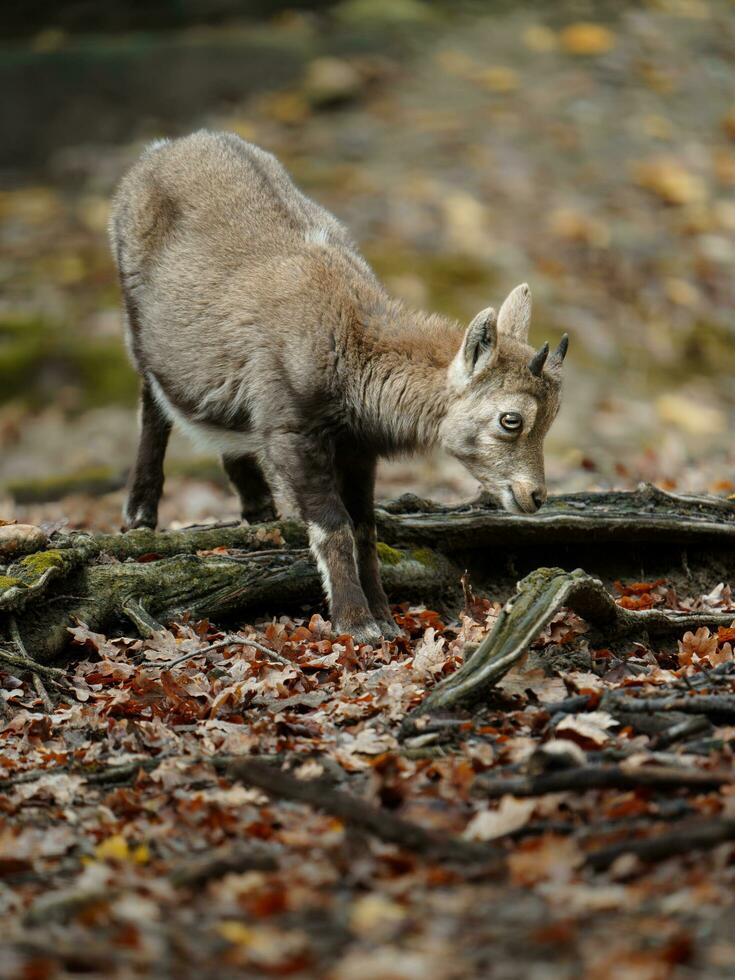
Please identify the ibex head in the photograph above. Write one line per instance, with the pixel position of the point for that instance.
(503, 398)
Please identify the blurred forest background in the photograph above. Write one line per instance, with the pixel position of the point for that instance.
(588, 148)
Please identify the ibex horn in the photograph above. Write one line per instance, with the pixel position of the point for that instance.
(536, 364)
(561, 351)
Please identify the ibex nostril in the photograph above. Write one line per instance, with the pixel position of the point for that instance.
(538, 497)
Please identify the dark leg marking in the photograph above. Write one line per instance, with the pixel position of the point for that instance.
(146, 483)
(246, 476)
(310, 479)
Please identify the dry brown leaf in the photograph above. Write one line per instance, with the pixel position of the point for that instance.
(511, 814)
(548, 857)
(589, 730)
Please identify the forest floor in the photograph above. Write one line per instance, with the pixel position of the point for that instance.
(599, 165)
(567, 826)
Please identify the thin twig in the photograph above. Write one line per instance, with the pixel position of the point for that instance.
(48, 705)
(224, 860)
(700, 704)
(25, 663)
(683, 729)
(230, 641)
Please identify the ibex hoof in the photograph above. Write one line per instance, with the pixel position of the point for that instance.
(389, 629)
(366, 631)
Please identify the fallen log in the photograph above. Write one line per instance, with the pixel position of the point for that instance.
(144, 578)
(647, 514)
(103, 595)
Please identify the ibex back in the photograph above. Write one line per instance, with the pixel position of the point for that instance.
(255, 323)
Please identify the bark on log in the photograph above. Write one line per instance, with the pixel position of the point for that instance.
(645, 515)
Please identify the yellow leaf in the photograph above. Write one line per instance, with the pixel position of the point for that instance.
(690, 415)
(576, 226)
(670, 181)
(235, 932)
(455, 62)
(681, 292)
(728, 123)
(498, 79)
(374, 913)
(539, 38)
(586, 38)
(115, 848)
(243, 127)
(141, 854)
(287, 107)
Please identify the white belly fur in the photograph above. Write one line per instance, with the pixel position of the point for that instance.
(206, 437)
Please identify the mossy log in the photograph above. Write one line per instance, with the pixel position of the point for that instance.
(148, 577)
(49, 591)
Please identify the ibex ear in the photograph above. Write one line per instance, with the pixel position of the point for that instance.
(479, 347)
(514, 318)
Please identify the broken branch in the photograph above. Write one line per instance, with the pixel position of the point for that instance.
(538, 598)
(358, 814)
(584, 778)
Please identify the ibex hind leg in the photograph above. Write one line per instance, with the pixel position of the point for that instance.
(256, 502)
(146, 482)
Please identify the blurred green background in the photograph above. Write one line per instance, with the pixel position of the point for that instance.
(588, 148)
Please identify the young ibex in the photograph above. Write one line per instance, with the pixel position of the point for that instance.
(255, 323)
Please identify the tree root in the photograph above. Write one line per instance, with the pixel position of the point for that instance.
(149, 577)
(103, 595)
(36, 670)
(539, 597)
(646, 515)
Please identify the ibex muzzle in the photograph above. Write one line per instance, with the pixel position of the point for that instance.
(257, 326)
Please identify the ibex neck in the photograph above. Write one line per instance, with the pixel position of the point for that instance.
(404, 359)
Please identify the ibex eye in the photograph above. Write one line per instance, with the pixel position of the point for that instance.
(511, 422)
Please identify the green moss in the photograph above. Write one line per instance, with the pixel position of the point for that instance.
(41, 560)
(31, 568)
(7, 582)
(424, 556)
(384, 13)
(388, 555)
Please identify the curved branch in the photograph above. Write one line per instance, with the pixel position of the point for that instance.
(539, 597)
